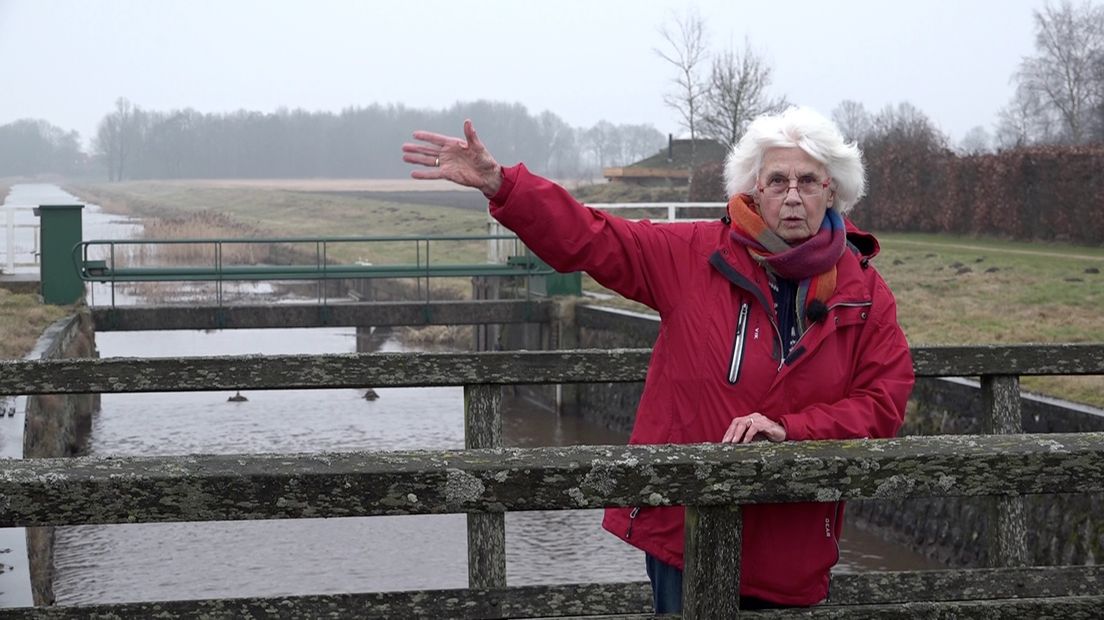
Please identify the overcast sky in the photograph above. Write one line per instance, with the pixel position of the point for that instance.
(584, 60)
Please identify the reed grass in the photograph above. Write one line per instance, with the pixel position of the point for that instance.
(208, 225)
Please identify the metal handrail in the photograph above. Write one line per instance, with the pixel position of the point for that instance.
(10, 250)
(107, 271)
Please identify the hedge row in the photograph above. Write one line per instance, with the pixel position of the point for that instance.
(1051, 193)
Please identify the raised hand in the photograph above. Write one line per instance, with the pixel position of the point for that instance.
(464, 162)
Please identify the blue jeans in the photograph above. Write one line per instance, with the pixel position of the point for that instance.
(666, 585)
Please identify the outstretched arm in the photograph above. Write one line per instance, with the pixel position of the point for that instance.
(464, 162)
(636, 259)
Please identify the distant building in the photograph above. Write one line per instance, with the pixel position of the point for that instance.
(669, 167)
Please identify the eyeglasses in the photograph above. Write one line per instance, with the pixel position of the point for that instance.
(807, 185)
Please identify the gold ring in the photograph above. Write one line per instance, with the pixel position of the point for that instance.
(437, 162)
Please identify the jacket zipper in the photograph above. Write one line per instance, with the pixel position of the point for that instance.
(632, 517)
(738, 344)
(829, 522)
(840, 304)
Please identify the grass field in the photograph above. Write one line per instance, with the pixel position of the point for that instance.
(22, 320)
(950, 290)
(201, 209)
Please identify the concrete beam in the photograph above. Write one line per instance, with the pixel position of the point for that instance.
(273, 372)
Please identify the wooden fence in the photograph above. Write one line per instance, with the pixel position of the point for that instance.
(486, 480)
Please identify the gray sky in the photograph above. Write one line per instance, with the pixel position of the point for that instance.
(585, 60)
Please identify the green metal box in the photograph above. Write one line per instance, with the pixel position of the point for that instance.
(60, 231)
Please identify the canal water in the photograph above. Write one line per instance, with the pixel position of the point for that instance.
(143, 562)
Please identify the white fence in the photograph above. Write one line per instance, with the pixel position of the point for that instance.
(20, 237)
(499, 249)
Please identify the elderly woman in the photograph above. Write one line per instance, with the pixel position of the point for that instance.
(774, 326)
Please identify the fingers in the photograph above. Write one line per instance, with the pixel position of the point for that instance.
(432, 173)
(434, 138)
(430, 160)
(752, 430)
(729, 433)
(746, 429)
(440, 140)
(738, 429)
(419, 148)
(469, 133)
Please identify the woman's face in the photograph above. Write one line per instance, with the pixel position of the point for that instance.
(796, 214)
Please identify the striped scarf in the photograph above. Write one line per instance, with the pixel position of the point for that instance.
(812, 263)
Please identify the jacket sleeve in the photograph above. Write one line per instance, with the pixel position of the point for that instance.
(639, 260)
(881, 382)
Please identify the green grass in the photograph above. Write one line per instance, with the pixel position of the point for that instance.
(1001, 292)
(22, 320)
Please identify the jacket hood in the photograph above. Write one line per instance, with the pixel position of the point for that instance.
(866, 244)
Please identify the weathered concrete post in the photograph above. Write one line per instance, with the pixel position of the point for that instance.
(486, 532)
(486, 336)
(711, 576)
(564, 335)
(1007, 519)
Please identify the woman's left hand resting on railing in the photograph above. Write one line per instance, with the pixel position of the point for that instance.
(748, 428)
(464, 162)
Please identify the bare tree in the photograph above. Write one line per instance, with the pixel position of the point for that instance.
(1025, 120)
(105, 145)
(640, 141)
(853, 120)
(1063, 76)
(604, 142)
(736, 93)
(975, 142)
(116, 138)
(685, 49)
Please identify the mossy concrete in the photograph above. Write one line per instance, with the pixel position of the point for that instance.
(56, 425)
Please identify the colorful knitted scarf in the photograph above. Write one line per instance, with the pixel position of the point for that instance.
(812, 263)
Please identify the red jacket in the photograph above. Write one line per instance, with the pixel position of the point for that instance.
(718, 356)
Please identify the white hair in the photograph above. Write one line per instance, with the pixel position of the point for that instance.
(807, 130)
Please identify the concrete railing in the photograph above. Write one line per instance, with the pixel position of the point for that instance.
(486, 480)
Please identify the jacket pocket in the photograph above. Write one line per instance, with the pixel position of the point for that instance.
(738, 344)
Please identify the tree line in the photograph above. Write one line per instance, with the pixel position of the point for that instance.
(30, 147)
(135, 143)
